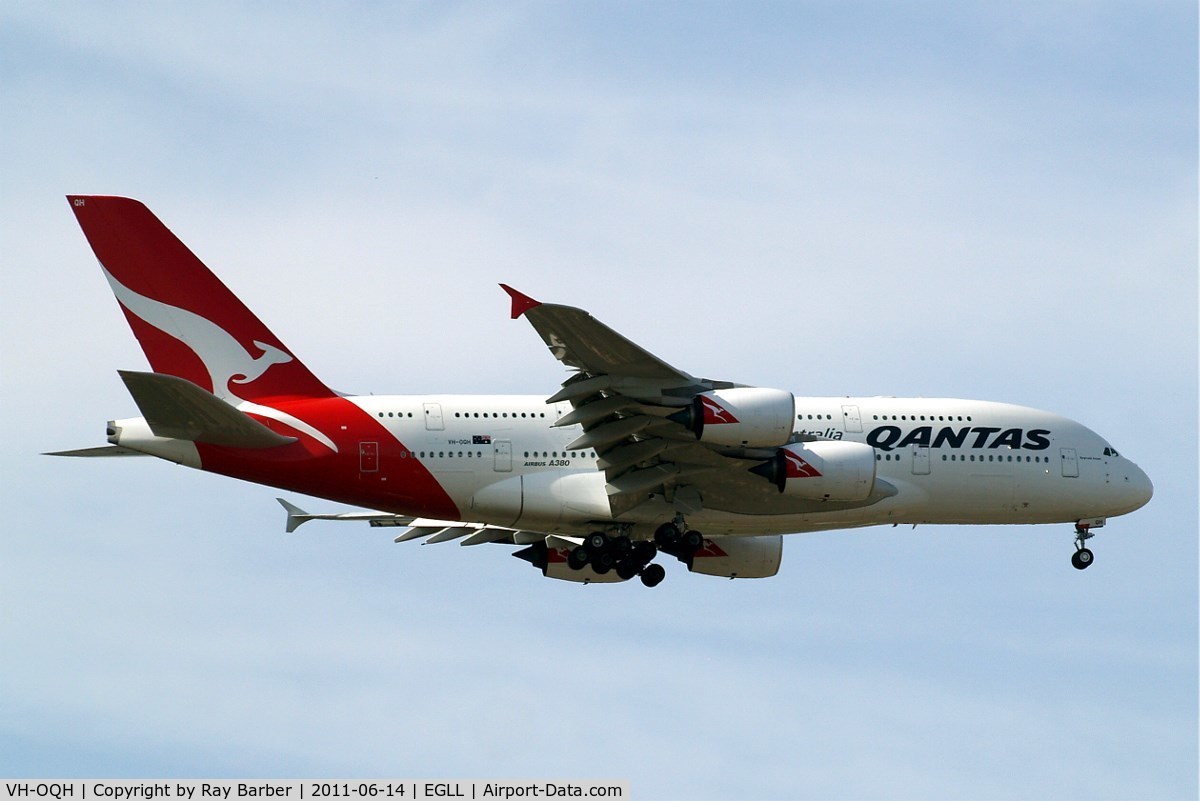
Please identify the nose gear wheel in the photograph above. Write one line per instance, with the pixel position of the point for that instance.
(1083, 556)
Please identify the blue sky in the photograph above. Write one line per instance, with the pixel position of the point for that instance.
(970, 200)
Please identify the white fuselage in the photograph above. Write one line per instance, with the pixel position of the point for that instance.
(950, 461)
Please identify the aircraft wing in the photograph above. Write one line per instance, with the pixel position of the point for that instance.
(582, 342)
(416, 527)
(640, 415)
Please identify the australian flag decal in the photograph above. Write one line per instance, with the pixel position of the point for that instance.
(481, 439)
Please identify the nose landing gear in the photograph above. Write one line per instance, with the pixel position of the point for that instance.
(1083, 556)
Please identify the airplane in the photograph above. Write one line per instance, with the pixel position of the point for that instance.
(631, 458)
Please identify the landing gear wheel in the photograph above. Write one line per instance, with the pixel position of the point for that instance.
(604, 559)
(643, 552)
(666, 535)
(596, 542)
(1083, 532)
(653, 575)
(692, 541)
(577, 559)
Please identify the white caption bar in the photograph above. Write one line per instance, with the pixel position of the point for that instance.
(314, 790)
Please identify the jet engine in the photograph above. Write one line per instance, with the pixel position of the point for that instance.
(738, 557)
(551, 559)
(751, 417)
(824, 470)
(728, 557)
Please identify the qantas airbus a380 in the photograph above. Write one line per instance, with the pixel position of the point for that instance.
(630, 458)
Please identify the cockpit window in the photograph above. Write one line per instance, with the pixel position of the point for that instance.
(1111, 452)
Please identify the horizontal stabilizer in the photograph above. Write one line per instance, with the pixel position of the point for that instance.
(178, 409)
(103, 450)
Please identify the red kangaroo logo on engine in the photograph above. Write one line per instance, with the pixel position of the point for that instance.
(798, 468)
(709, 548)
(715, 414)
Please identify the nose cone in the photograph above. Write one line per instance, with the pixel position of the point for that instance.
(1134, 487)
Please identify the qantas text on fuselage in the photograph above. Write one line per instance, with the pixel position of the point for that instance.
(631, 461)
(887, 438)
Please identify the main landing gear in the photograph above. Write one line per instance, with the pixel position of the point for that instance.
(1082, 557)
(628, 558)
(677, 539)
(605, 552)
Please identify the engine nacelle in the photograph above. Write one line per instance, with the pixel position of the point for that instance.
(822, 470)
(551, 558)
(738, 557)
(751, 417)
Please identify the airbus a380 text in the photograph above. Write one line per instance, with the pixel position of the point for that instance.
(629, 459)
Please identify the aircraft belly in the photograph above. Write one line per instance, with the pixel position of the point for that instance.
(554, 500)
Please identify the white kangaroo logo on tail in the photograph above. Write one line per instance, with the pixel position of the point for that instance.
(223, 356)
